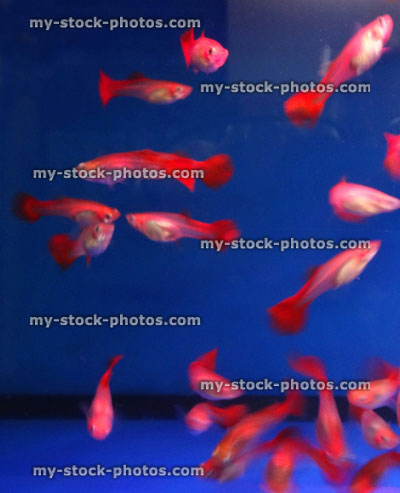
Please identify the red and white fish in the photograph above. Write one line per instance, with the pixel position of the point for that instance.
(117, 168)
(289, 316)
(353, 202)
(92, 241)
(363, 50)
(240, 436)
(330, 432)
(376, 431)
(203, 415)
(367, 478)
(101, 413)
(204, 54)
(207, 383)
(139, 86)
(392, 159)
(166, 227)
(84, 212)
(380, 392)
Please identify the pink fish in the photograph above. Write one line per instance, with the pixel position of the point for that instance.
(376, 432)
(379, 393)
(289, 316)
(330, 432)
(92, 241)
(208, 384)
(363, 50)
(101, 414)
(115, 168)
(166, 227)
(139, 86)
(368, 476)
(392, 159)
(352, 202)
(204, 54)
(85, 212)
(203, 415)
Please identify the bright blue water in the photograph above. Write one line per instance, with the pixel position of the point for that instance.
(52, 118)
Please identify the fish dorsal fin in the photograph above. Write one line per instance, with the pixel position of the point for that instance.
(311, 271)
(343, 180)
(186, 213)
(137, 76)
(390, 138)
(181, 154)
(208, 360)
(202, 34)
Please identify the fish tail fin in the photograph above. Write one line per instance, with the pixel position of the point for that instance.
(228, 416)
(208, 360)
(304, 109)
(335, 472)
(296, 402)
(310, 366)
(187, 42)
(62, 248)
(218, 170)
(105, 379)
(390, 138)
(188, 182)
(224, 230)
(289, 316)
(106, 88)
(24, 207)
(356, 412)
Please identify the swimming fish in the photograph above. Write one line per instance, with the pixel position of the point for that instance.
(368, 476)
(247, 430)
(92, 241)
(166, 227)
(379, 393)
(376, 431)
(330, 432)
(116, 168)
(203, 415)
(84, 212)
(204, 54)
(139, 86)
(392, 159)
(207, 383)
(289, 316)
(363, 50)
(352, 202)
(101, 414)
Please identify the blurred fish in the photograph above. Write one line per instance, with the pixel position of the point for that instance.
(362, 52)
(353, 202)
(92, 241)
(289, 316)
(111, 169)
(330, 432)
(204, 54)
(101, 414)
(203, 415)
(380, 392)
(202, 375)
(367, 478)
(392, 159)
(85, 212)
(166, 227)
(139, 86)
(240, 436)
(376, 432)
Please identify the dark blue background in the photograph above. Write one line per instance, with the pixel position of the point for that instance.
(52, 118)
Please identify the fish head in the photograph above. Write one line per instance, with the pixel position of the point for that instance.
(382, 28)
(198, 418)
(137, 221)
(211, 55)
(110, 215)
(99, 427)
(356, 262)
(180, 91)
(97, 237)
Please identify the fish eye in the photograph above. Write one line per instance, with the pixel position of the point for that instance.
(107, 217)
(98, 229)
(211, 50)
(178, 89)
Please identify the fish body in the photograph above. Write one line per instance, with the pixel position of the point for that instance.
(203, 54)
(141, 87)
(368, 476)
(289, 316)
(392, 158)
(376, 431)
(353, 202)
(117, 168)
